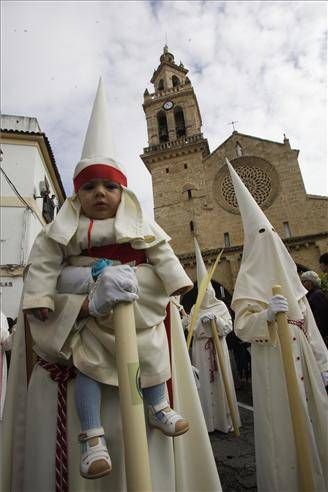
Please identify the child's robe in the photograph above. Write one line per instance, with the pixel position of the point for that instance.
(91, 341)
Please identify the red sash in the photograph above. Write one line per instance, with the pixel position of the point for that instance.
(119, 252)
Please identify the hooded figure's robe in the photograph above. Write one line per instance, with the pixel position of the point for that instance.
(276, 463)
(211, 388)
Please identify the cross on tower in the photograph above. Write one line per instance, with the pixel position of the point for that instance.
(233, 124)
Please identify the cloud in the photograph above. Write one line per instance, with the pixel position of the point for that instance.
(260, 63)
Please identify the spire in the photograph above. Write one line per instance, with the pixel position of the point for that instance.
(167, 56)
(98, 139)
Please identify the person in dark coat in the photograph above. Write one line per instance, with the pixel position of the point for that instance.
(318, 301)
(323, 261)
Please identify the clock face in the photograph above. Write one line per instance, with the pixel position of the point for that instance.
(168, 105)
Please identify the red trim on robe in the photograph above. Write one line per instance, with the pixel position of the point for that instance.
(120, 252)
(2, 355)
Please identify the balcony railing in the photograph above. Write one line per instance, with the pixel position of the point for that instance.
(166, 92)
(174, 143)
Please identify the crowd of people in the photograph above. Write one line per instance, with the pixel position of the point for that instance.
(100, 252)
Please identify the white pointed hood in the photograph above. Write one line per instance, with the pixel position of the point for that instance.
(98, 155)
(266, 261)
(97, 161)
(98, 139)
(209, 298)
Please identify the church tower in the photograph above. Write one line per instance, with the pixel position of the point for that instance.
(193, 192)
(176, 148)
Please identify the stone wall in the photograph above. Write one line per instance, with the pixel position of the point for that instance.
(193, 188)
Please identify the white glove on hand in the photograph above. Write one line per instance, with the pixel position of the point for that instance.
(115, 284)
(324, 376)
(207, 317)
(185, 322)
(75, 280)
(277, 304)
(223, 328)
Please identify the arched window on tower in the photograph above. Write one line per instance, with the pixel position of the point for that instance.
(160, 86)
(175, 81)
(180, 126)
(162, 127)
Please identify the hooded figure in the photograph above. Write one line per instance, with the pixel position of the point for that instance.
(5, 344)
(265, 263)
(211, 388)
(37, 457)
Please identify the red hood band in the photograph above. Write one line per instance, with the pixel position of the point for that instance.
(100, 171)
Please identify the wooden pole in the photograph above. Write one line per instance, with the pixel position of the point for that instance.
(221, 358)
(137, 466)
(305, 473)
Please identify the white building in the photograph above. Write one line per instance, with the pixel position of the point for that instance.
(31, 191)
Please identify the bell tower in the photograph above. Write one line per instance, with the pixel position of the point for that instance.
(176, 149)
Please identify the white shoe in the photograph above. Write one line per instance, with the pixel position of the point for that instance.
(95, 460)
(164, 418)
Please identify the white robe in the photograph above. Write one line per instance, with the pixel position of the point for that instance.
(30, 418)
(276, 464)
(5, 344)
(211, 388)
(92, 343)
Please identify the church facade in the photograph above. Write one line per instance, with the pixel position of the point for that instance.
(193, 192)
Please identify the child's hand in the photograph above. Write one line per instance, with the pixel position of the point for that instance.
(115, 284)
(40, 313)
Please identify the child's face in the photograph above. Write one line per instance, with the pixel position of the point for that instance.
(100, 198)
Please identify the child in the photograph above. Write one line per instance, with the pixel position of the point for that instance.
(104, 220)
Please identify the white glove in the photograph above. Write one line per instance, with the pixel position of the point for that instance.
(324, 376)
(277, 304)
(115, 284)
(223, 327)
(75, 280)
(207, 317)
(185, 322)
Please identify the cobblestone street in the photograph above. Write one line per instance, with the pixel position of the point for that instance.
(235, 456)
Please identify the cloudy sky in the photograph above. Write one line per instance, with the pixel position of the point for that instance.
(262, 64)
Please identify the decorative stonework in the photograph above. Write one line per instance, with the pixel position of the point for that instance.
(259, 176)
